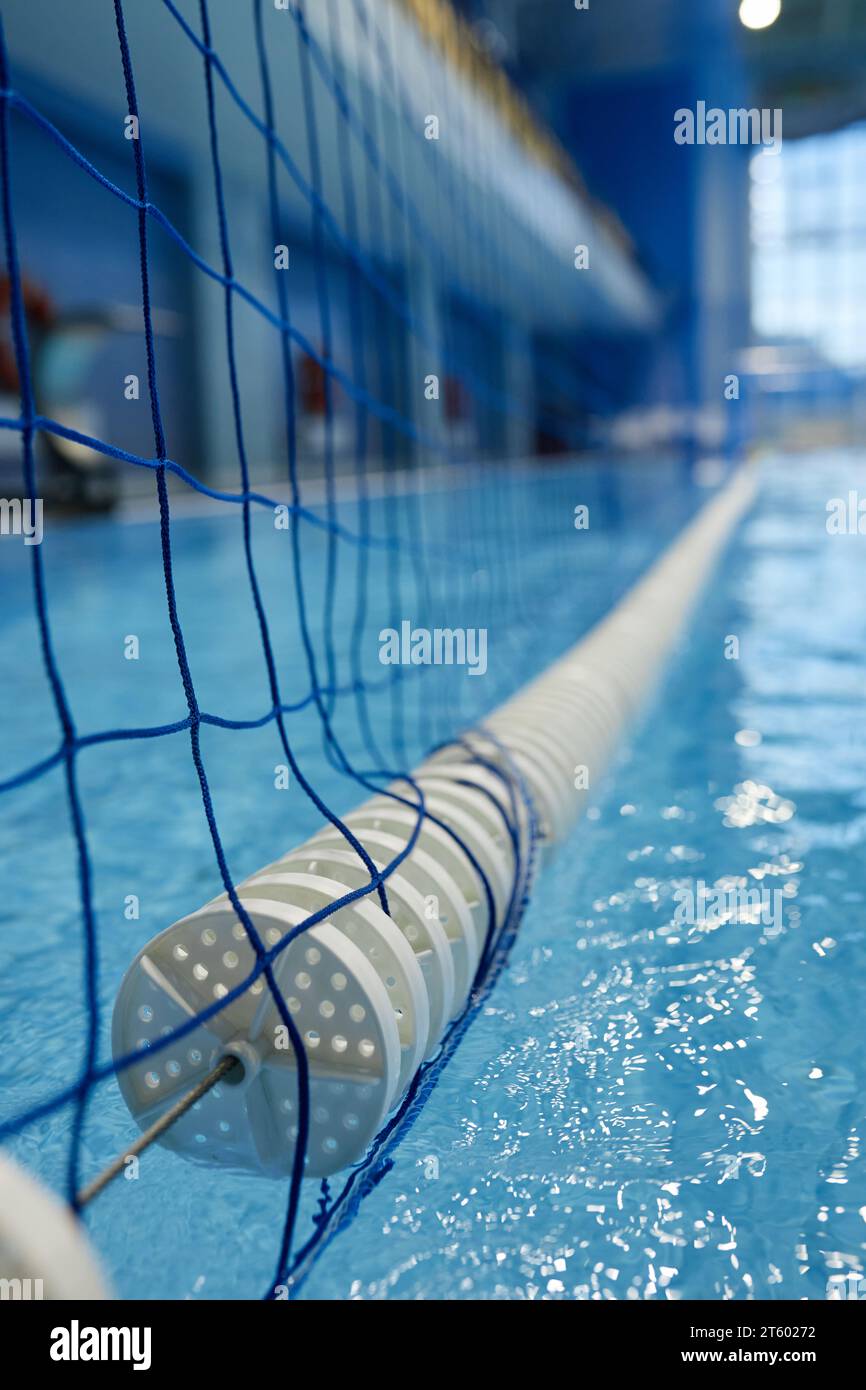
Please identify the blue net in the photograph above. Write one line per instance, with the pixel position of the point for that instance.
(390, 552)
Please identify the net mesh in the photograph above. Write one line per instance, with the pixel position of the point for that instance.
(364, 373)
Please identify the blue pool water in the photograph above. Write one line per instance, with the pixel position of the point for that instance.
(645, 1108)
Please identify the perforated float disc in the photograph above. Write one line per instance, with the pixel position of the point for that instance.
(494, 788)
(546, 771)
(338, 1004)
(560, 730)
(425, 936)
(393, 819)
(485, 811)
(434, 883)
(376, 937)
(457, 812)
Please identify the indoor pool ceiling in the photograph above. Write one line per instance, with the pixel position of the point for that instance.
(812, 61)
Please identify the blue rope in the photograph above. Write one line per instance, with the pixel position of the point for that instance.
(366, 1176)
(405, 223)
(383, 411)
(324, 306)
(359, 372)
(61, 704)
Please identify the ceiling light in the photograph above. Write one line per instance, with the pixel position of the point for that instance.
(759, 14)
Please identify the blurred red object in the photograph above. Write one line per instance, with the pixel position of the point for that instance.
(40, 314)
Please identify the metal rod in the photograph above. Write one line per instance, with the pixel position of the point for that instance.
(180, 1107)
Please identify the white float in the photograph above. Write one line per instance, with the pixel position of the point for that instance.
(44, 1249)
(372, 994)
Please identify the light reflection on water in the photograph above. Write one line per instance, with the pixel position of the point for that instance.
(654, 1109)
(650, 1106)
(180, 1230)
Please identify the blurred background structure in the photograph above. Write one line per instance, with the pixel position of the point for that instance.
(700, 261)
(760, 261)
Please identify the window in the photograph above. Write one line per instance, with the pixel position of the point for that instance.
(808, 221)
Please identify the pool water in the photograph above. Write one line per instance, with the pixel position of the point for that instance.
(660, 1111)
(646, 1107)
